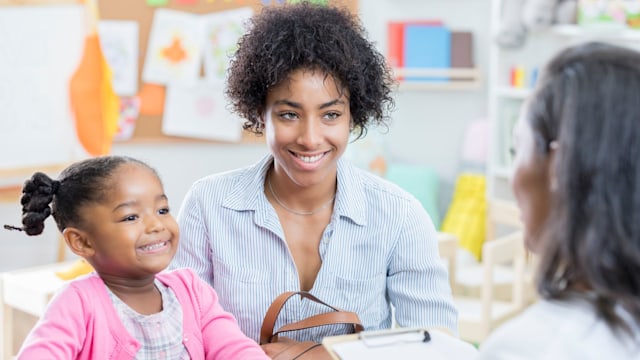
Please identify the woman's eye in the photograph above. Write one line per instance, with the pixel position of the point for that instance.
(163, 211)
(288, 115)
(332, 115)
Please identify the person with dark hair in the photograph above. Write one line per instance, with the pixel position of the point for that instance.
(113, 212)
(307, 78)
(577, 183)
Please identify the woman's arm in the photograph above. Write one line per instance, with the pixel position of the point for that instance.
(194, 251)
(417, 281)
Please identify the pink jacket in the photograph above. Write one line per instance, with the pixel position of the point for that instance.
(81, 323)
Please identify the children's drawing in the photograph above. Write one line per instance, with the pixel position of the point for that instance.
(222, 31)
(129, 111)
(119, 42)
(199, 111)
(175, 48)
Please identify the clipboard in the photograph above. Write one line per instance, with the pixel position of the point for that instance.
(400, 343)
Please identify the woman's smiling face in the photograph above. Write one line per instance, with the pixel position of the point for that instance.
(307, 126)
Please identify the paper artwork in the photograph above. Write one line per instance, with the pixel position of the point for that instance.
(222, 31)
(199, 111)
(119, 43)
(129, 112)
(174, 51)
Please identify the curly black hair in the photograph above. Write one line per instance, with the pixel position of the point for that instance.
(84, 182)
(282, 39)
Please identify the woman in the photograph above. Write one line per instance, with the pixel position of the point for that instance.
(577, 183)
(302, 218)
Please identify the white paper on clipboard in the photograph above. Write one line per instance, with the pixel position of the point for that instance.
(406, 344)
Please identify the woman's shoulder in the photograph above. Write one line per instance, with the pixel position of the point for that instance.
(231, 180)
(554, 330)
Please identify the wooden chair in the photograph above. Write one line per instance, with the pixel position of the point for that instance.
(479, 315)
(448, 249)
(503, 217)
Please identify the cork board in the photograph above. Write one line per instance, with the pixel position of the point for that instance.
(149, 127)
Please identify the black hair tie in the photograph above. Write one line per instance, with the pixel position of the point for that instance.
(10, 227)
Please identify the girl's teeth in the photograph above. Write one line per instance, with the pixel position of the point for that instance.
(154, 246)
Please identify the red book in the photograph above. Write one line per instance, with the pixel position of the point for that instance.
(395, 43)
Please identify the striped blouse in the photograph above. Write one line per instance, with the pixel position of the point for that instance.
(378, 251)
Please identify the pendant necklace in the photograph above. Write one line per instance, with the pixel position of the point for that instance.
(296, 212)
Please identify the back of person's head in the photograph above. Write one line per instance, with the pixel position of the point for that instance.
(82, 183)
(587, 104)
(282, 39)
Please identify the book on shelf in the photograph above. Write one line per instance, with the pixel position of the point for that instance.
(461, 49)
(418, 44)
(427, 47)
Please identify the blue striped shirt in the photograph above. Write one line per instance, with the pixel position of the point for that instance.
(380, 248)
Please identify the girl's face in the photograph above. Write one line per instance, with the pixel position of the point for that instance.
(530, 182)
(307, 126)
(132, 233)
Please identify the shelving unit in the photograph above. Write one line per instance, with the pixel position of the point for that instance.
(456, 79)
(505, 101)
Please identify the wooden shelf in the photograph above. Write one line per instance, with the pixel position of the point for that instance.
(457, 79)
(512, 92)
(503, 172)
(611, 33)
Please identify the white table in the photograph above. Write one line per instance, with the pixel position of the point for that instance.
(28, 290)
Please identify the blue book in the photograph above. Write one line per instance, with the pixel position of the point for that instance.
(427, 46)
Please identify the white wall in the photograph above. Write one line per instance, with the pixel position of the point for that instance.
(427, 127)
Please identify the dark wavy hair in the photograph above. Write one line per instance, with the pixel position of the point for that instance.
(82, 183)
(281, 39)
(587, 101)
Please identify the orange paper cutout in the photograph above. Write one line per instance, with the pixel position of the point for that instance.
(151, 99)
(93, 100)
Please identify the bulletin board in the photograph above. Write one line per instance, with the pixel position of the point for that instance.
(149, 127)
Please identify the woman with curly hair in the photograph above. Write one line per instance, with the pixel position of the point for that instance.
(302, 218)
(577, 182)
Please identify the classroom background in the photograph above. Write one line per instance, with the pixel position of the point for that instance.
(463, 68)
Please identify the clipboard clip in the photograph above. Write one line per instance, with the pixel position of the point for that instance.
(395, 337)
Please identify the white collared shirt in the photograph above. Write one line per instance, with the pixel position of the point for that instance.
(380, 247)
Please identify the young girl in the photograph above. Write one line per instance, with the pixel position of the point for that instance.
(113, 212)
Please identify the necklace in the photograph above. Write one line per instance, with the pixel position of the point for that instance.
(296, 212)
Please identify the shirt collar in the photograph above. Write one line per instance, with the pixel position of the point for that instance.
(350, 196)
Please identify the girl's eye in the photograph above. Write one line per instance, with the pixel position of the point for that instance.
(130, 218)
(163, 211)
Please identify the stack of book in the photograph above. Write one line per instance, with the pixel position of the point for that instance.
(428, 45)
